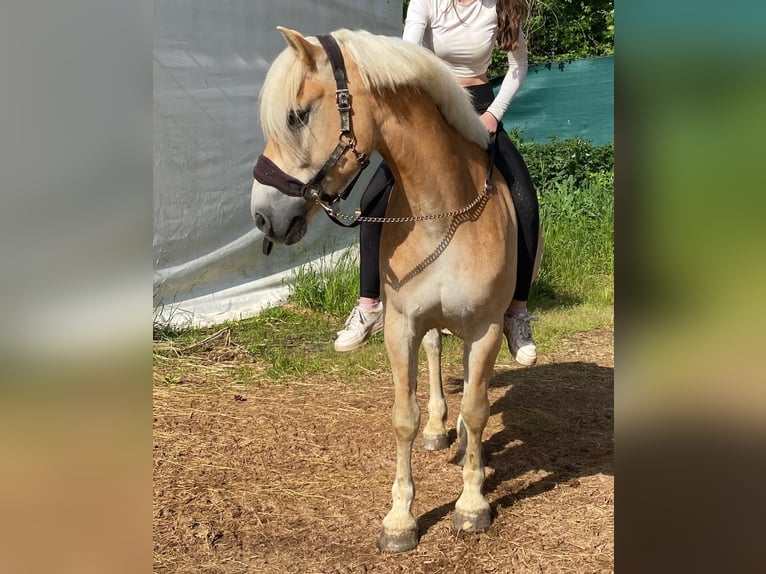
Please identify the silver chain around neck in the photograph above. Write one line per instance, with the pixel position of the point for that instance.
(337, 212)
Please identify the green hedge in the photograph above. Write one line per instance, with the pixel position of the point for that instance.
(559, 160)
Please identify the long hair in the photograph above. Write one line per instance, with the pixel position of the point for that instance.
(510, 15)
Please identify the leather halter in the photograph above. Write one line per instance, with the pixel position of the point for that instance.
(268, 173)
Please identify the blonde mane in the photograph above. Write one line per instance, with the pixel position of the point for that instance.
(383, 62)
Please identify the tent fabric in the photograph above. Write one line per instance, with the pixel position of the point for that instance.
(210, 59)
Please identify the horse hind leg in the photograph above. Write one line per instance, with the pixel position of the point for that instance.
(435, 432)
(472, 511)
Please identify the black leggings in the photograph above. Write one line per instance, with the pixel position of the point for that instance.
(510, 163)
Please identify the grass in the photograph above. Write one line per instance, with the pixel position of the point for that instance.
(578, 227)
(331, 286)
(280, 344)
(573, 293)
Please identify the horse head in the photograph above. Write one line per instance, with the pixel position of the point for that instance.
(305, 104)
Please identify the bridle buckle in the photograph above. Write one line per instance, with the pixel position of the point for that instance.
(343, 100)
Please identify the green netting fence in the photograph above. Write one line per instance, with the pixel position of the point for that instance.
(565, 100)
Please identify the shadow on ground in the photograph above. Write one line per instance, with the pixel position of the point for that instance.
(557, 421)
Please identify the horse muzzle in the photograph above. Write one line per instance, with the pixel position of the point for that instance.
(282, 219)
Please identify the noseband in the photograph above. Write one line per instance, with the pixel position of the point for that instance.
(266, 171)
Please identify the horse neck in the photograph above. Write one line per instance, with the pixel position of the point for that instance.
(436, 168)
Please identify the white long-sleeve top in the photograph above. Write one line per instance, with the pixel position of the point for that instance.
(464, 37)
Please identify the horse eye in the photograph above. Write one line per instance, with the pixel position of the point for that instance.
(297, 118)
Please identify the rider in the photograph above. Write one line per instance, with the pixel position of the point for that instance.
(463, 33)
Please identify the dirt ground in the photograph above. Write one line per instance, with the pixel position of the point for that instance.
(296, 477)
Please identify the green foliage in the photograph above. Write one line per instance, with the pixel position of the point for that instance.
(578, 235)
(165, 330)
(554, 162)
(570, 29)
(563, 30)
(575, 184)
(291, 342)
(328, 286)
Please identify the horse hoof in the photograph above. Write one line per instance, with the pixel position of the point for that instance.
(470, 521)
(398, 541)
(435, 442)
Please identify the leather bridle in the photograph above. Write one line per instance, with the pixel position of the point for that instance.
(268, 173)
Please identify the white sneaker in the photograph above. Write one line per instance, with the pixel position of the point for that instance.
(360, 326)
(520, 341)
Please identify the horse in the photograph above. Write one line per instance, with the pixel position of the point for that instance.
(448, 248)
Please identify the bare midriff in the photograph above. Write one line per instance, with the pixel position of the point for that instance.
(475, 81)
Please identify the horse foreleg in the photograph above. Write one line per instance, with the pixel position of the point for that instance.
(435, 431)
(400, 531)
(472, 510)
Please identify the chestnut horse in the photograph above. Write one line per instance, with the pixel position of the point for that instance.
(448, 256)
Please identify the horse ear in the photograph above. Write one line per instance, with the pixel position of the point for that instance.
(306, 50)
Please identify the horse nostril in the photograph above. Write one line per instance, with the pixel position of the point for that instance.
(261, 223)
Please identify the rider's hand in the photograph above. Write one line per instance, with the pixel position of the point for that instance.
(489, 121)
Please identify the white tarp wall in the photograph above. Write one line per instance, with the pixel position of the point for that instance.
(210, 59)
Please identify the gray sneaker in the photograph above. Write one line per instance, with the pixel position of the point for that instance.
(360, 326)
(520, 341)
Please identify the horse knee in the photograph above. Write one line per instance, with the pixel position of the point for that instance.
(406, 420)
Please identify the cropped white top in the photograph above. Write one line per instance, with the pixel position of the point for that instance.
(464, 36)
